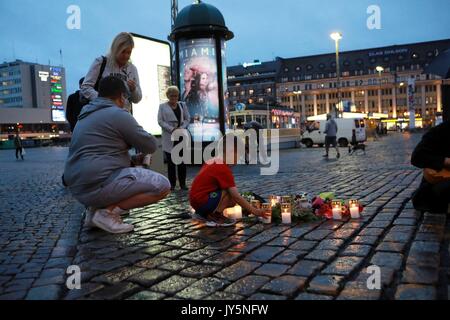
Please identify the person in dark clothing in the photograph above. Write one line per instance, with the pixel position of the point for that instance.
(74, 107)
(433, 152)
(19, 146)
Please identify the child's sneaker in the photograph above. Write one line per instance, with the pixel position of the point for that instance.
(217, 220)
(110, 222)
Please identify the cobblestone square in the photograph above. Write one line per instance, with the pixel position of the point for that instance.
(171, 257)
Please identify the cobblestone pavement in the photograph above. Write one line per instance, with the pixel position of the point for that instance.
(168, 257)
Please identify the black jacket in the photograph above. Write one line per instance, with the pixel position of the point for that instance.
(431, 153)
(73, 109)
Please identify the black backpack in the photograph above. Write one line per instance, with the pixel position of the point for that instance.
(77, 102)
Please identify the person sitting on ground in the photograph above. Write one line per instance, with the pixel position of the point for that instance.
(97, 169)
(433, 152)
(214, 189)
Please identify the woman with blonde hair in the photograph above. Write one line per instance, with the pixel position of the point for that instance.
(117, 64)
(173, 115)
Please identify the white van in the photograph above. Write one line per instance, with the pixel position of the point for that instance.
(314, 133)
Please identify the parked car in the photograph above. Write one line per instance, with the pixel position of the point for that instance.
(315, 135)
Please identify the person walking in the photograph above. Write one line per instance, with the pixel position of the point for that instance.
(331, 129)
(19, 146)
(173, 115)
(116, 63)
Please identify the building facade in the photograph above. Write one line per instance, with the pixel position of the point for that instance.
(309, 84)
(31, 96)
(253, 83)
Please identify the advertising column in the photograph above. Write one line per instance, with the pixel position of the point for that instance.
(200, 86)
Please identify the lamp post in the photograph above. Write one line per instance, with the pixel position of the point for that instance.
(379, 69)
(336, 36)
(298, 95)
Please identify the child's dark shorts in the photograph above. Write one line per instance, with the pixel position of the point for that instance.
(211, 205)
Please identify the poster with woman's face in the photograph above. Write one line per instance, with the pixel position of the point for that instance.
(199, 87)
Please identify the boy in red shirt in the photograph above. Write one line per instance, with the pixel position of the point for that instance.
(214, 190)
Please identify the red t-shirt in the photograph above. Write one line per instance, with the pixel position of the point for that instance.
(213, 176)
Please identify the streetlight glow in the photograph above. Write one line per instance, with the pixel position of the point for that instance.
(336, 36)
(380, 69)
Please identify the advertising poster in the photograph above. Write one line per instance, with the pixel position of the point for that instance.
(199, 87)
(153, 60)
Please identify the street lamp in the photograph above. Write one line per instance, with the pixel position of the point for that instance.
(379, 69)
(298, 94)
(336, 36)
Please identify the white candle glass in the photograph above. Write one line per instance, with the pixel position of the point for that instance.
(237, 212)
(337, 213)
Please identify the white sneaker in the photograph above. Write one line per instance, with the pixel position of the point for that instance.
(120, 212)
(109, 222)
(89, 214)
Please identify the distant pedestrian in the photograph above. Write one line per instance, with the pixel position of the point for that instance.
(74, 107)
(331, 129)
(116, 63)
(19, 146)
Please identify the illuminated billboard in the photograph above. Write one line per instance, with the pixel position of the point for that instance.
(152, 59)
(58, 116)
(200, 86)
(56, 90)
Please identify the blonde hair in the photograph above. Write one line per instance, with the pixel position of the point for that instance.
(122, 41)
(172, 89)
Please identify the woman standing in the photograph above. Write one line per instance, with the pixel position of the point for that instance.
(173, 115)
(117, 64)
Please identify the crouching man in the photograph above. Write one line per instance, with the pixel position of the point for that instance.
(98, 171)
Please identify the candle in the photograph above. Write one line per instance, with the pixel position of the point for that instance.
(286, 213)
(237, 212)
(354, 209)
(229, 213)
(267, 207)
(336, 207)
(273, 200)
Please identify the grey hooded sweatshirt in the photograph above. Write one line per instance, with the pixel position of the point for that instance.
(100, 143)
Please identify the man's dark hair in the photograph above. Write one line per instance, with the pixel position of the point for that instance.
(81, 81)
(111, 87)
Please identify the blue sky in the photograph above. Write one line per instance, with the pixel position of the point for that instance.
(36, 30)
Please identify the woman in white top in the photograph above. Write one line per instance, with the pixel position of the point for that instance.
(118, 65)
(173, 115)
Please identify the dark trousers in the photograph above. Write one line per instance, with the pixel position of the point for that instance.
(173, 168)
(432, 198)
(19, 151)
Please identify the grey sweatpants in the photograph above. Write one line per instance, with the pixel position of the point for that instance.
(129, 182)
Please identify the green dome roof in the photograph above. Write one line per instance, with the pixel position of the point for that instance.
(200, 18)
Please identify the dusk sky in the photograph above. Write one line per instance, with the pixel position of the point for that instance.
(36, 30)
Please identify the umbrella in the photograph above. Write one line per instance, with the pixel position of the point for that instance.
(440, 66)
